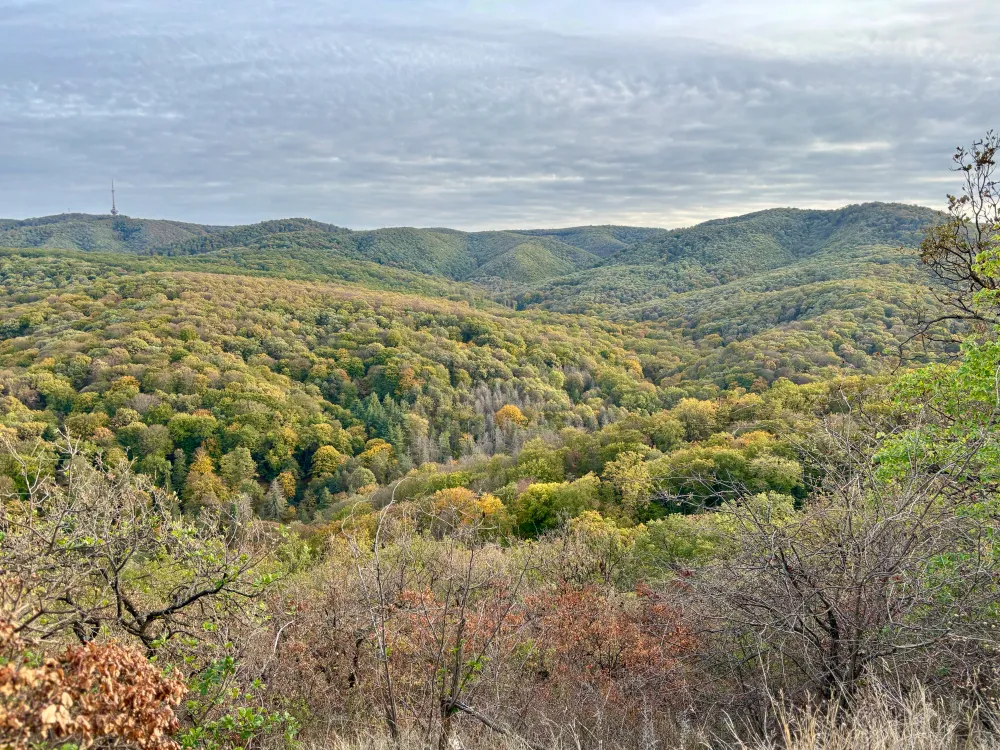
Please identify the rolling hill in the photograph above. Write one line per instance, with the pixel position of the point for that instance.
(778, 293)
(494, 257)
(99, 233)
(715, 252)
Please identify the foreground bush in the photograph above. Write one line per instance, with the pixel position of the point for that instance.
(102, 694)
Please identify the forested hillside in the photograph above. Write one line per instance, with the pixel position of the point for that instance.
(510, 256)
(364, 345)
(95, 233)
(711, 253)
(291, 485)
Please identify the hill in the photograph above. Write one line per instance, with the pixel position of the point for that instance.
(778, 293)
(99, 233)
(767, 239)
(621, 265)
(510, 257)
(660, 263)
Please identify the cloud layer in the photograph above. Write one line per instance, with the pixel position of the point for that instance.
(486, 114)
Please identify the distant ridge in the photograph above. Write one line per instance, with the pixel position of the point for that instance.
(776, 293)
(721, 249)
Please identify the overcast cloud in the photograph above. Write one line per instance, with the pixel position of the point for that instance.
(487, 113)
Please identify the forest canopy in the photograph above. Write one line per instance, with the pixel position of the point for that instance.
(288, 484)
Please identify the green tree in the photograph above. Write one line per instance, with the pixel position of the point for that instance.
(274, 504)
(698, 418)
(630, 475)
(237, 467)
(361, 478)
(546, 506)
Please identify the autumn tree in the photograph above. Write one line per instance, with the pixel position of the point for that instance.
(698, 418)
(510, 415)
(630, 475)
(202, 487)
(326, 460)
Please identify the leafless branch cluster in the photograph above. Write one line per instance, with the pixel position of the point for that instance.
(90, 549)
(953, 250)
(887, 571)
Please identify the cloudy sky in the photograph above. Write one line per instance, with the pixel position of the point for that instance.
(487, 113)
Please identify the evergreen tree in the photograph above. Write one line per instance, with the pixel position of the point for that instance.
(179, 472)
(275, 504)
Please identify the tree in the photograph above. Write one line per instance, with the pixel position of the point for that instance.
(510, 415)
(891, 573)
(630, 475)
(360, 479)
(178, 472)
(610, 651)
(545, 506)
(380, 457)
(963, 250)
(274, 504)
(202, 487)
(326, 460)
(541, 462)
(443, 617)
(698, 418)
(93, 550)
(237, 467)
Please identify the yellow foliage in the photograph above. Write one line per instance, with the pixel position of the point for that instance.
(458, 506)
(125, 383)
(490, 505)
(510, 414)
(457, 501)
(326, 461)
(202, 462)
(287, 481)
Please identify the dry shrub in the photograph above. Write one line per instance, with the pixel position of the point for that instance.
(94, 693)
(610, 666)
(595, 634)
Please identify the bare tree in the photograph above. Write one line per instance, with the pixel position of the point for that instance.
(445, 614)
(88, 548)
(955, 249)
(374, 581)
(887, 569)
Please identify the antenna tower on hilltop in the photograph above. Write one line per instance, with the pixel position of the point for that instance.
(114, 208)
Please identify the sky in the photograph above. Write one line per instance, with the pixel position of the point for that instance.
(479, 114)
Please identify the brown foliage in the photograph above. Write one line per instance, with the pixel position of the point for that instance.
(611, 640)
(94, 692)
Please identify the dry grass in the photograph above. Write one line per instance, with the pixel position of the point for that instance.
(883, 722)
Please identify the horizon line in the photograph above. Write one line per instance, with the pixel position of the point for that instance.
(469, 231)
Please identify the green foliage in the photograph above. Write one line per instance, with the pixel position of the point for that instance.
(547, 505)
(278, 361)
(227, 717)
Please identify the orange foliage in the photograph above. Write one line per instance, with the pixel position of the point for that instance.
(614, 640)
(429, 627)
